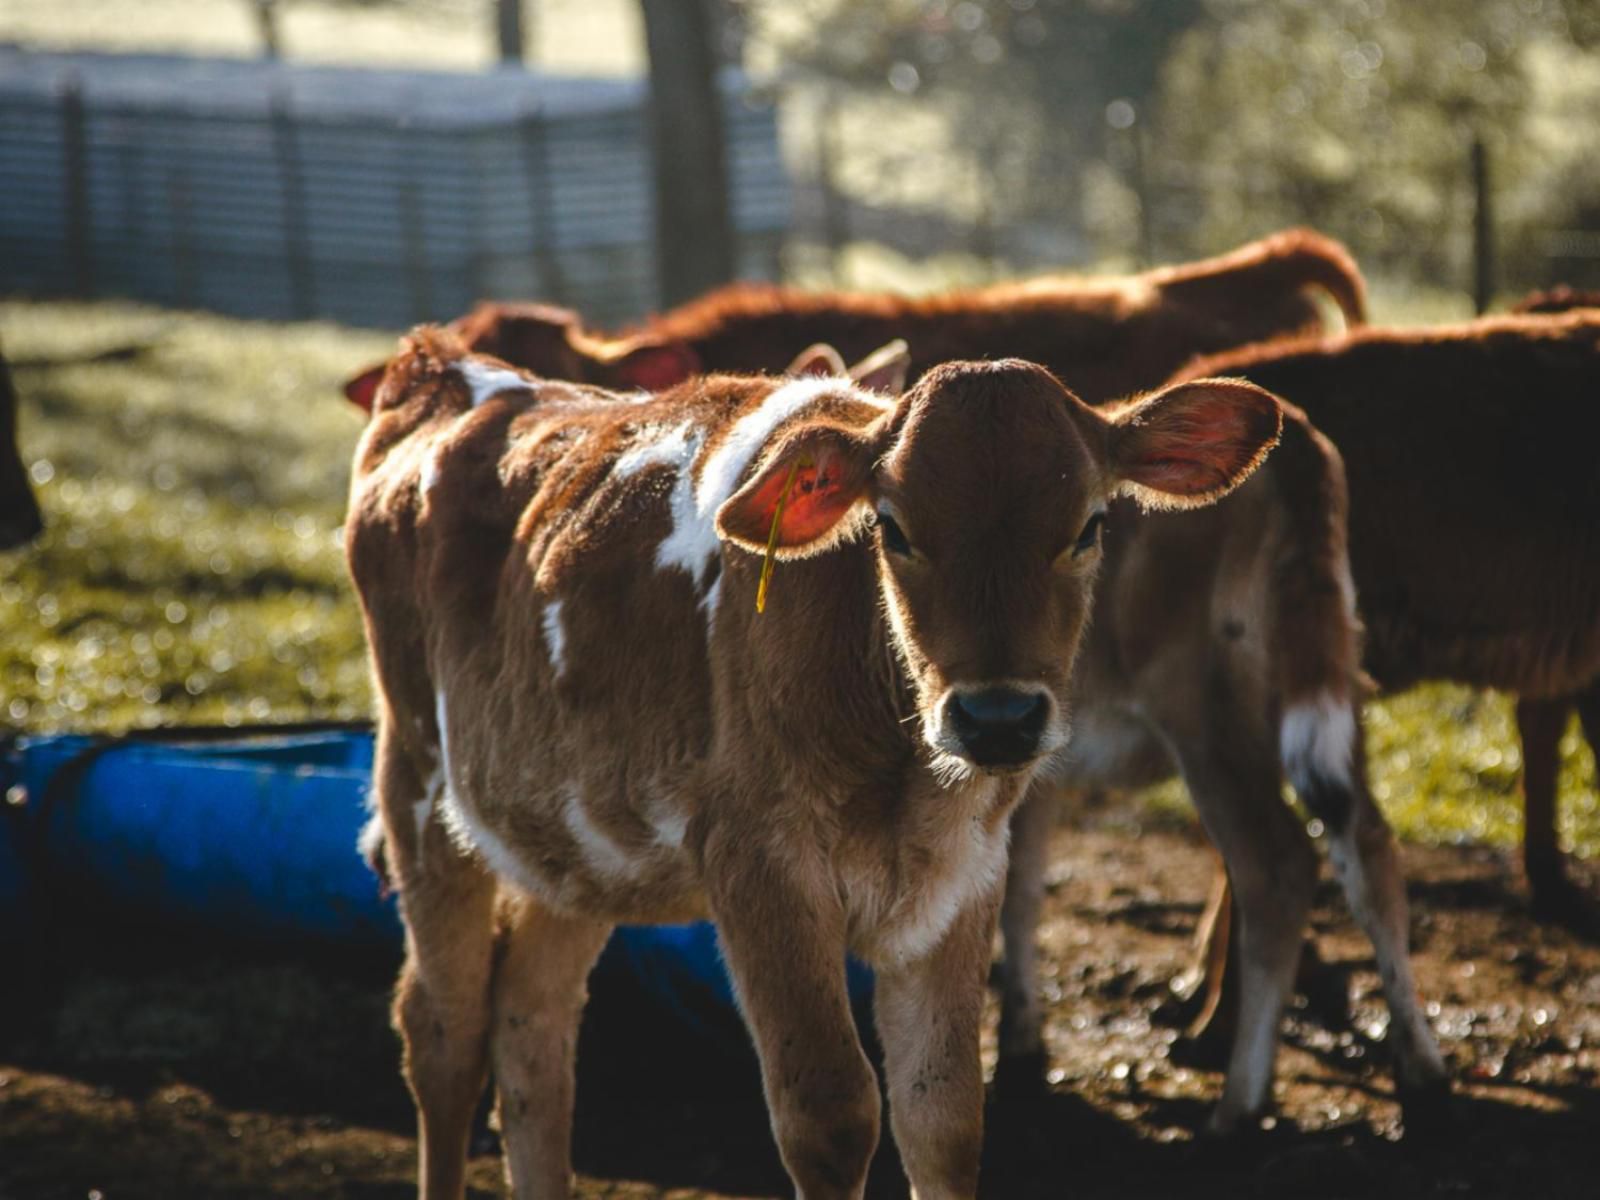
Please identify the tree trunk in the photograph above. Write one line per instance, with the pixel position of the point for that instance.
(694, 230)
(508, 29)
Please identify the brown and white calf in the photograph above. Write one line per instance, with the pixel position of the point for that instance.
(584, 720)
(1226, 649)
(1109, 337)
(1474, 526)
(20, 521)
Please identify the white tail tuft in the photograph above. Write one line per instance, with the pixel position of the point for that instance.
(1317, 740)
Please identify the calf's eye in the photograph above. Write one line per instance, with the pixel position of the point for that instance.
(894, 538)
(1090, 537)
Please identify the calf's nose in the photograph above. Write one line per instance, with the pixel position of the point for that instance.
(999, 726)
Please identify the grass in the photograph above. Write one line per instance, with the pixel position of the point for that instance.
(192, 568)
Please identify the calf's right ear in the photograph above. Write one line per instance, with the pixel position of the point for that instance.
(1192, 443)
(801, 500)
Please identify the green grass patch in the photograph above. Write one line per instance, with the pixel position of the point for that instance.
(194, 491)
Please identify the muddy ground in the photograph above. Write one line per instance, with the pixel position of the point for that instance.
(155, 1065)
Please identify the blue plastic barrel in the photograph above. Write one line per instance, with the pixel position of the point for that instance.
(254, 835)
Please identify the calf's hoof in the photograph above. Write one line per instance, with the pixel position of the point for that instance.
(1022, 1078)
(1428, 1109)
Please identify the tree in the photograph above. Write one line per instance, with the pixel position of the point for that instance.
(694, 228)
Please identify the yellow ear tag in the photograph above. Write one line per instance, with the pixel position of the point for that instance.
(768, 562)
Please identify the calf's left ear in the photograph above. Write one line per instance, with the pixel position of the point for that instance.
(805, 496)
(1192, 443)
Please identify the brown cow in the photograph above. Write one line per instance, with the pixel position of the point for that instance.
(583, 718)
(20, 520)
(1108, 337)
(1474, 528)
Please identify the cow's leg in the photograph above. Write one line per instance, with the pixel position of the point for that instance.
(1212, 976)
(1022, 1052)
(539, 992)
(1211, 981)
(1554, 895)
(784, 943)
(441, 1005)
(1235, 785)
(1366, 861)
(928, 1013)
(1540, 724)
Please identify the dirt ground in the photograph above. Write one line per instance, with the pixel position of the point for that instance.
(205, 1070)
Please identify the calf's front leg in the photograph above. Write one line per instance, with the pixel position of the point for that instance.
(928, 1015)
(784, 943)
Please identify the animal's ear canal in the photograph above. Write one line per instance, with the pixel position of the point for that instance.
(1192, 443)
(797, 502)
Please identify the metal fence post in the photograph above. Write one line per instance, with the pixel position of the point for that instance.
(75, 186)
(413, 235)
(835, 213)
(541, 206)
(1483, 282)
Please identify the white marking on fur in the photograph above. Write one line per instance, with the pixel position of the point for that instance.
(1317, 740)
(599, 851)
(467, 830)
(675, 448)
(429, 475)
(422, 810)
(555, 637)
(370, 840)
(693, 543)
(938, 901)
(670, 827)
(486, 381)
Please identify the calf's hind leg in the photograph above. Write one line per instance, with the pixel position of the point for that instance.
(539, 992)
(1328, 770)
(1022, 1053)
(1234, 781)
(441, 1003)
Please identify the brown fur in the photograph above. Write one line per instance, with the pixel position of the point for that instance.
(1560, 299)
(653, 749)
(20, 520)
(1469, 450)
(1474, 527)
(1106, 338)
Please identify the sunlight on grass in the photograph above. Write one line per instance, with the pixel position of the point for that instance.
(194, 489)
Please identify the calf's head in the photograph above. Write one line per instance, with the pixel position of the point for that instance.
(986, 487)
(551, 342)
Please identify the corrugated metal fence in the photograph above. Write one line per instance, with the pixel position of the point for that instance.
(371, 197)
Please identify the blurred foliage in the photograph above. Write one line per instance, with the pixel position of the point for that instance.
(1358, 115)
(192, 568)
(1222, 119)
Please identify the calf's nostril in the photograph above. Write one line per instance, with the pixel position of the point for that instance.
(999, 708)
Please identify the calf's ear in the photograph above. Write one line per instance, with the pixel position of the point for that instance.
(821, 359)
(651, 364)
(1192, 443)
(807, 495)
(885, 369)
(362, 389)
